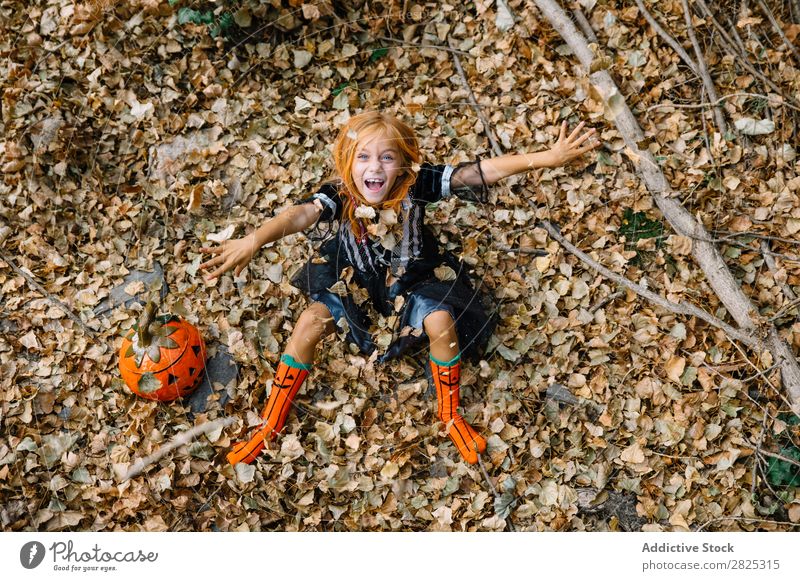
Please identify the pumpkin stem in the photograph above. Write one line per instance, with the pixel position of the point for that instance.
(145, 320)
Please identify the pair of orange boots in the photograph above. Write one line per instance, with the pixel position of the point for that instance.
(291, 375)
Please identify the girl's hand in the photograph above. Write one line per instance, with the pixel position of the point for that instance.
(231, 253)
(568, 148)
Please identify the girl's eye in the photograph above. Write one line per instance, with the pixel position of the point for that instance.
(362, 156)
(388, 158)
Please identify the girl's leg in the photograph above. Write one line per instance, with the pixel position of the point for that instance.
(446, 371)
(314, 323)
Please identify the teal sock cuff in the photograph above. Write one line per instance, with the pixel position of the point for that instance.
(450, 363)
(292, 362)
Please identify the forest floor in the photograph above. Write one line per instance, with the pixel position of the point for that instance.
(135, 133)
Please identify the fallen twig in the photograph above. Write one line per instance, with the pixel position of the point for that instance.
(723, 98)
(771, 454)
(681, 308)
(403, 44)
(40, 289)
(600, 304)
(181, 439)
(773, 268)
(742, 60)
(488, 480)
(719, 117)
(486, 126)
(533, 251)
(667, 38)
(771, 17)
(583, 22)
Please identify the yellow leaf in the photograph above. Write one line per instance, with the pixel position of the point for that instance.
(674, 368)
(633, 454)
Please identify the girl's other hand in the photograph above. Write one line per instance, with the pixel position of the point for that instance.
(229, 254)
(569, 147)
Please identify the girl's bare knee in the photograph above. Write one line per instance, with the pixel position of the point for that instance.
(315, 321)
(438, 323)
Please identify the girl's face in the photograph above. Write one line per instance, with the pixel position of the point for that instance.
(376, 166)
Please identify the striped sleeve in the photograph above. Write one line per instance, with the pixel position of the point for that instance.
(328, 196)
(433, 183)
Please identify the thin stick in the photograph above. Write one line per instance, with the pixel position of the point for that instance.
(494, 490)
(742, 60)
(768, 13)
(770, 454)
(40, 289)
(723, 98)
(773, 268)
(668, 38)
(745, 519)
(181, 439)
(703, 70)
(612, 297)
(487, 128)
(583, 22)
(404, 44)
(533, 251)
(753, 330)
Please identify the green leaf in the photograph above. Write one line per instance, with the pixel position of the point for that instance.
(186, 15)
(782, 473)
(504, 503)
(340, 88)
(202, 450)
(789, 418)
(377, 54)
(168, 343)
(148, 383)
(636, 226)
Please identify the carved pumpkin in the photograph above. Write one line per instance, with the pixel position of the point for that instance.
(162, 357)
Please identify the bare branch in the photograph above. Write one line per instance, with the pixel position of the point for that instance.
(486, 126)
(719, 117)
(180, 440)
(668, 38)
(681, 308)
(753, 330)
(768, 13)
(743, 57)
(40, 289)
(583, 22)
(773, 268)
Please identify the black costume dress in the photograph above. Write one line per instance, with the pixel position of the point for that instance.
(412, 262)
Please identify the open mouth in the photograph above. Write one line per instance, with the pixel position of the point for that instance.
(374, 185)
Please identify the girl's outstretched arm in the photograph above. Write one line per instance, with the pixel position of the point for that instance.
(567, 148)
(237, 253)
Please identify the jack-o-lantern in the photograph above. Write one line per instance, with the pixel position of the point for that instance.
(162, 357)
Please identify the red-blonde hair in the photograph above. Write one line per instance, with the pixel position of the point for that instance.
(358, 129)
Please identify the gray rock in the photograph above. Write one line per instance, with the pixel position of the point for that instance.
(118, 296)
(167, 160)
(220, 369)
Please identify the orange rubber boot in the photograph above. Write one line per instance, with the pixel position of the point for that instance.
(446, 379)
(287, 382)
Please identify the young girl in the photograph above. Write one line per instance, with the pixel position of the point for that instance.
(383, 246)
